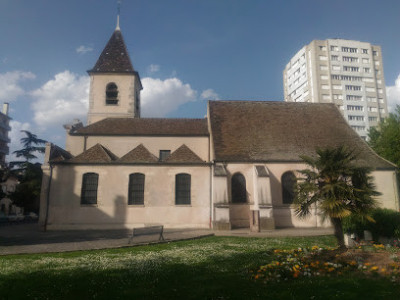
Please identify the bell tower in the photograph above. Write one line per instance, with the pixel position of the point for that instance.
(114, 85)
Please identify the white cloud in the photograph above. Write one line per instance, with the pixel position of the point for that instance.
(209, 94)
(393, 95)
(15, 135)
(61, 99)
(10, 87)
(83, 49)
(159, 97)
(153, 68)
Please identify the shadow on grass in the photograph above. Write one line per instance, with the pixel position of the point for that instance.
(214, 278)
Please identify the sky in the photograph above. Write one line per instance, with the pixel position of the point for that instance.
(186, 52)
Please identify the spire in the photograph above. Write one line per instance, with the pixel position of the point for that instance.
(119, 11)
(115, 57)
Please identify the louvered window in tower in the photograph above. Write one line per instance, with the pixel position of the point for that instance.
(111, 94)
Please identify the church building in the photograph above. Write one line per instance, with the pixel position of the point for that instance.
(235, 168)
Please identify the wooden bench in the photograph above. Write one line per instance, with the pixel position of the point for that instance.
(148, 230)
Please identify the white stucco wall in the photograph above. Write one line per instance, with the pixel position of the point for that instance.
(112, 210)
(128, 89)
(386, 184)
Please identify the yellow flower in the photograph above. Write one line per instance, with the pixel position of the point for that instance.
(374, 268)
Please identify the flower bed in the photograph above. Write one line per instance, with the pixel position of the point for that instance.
(316, 261)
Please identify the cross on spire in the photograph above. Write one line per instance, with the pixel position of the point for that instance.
(118, 13)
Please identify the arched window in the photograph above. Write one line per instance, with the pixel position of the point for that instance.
(239, 193)
(136, 189)
(111, 94)
(288, 181)
(89, 188)
(182, 188)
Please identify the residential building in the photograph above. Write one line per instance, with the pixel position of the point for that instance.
(4, 130)
(347, 73)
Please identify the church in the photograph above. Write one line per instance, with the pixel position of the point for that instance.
(235, 168)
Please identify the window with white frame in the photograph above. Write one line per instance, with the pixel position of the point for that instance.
(355, 118)
(353, 88)
(353, 97)
(355, 108)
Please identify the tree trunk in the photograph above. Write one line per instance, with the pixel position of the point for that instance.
(337, 225)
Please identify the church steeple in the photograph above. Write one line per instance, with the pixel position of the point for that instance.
(115, 57)
(115, 86)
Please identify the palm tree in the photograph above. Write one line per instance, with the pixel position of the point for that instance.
(337, 186)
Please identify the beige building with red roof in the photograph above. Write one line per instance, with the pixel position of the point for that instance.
(234, 168)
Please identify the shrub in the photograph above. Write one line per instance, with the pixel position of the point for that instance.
(387, 224)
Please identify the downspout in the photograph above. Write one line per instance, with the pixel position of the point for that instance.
(211, 193)
(84, 142)
(48, 198)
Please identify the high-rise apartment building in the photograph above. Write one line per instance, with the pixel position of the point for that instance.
(4, 129)
(347, 73)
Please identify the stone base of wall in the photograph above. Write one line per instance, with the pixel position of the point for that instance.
(267, 223)
(218, 225)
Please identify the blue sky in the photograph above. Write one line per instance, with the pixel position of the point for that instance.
(186, 51)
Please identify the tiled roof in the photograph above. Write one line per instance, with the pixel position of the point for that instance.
(183, 155)
(58, 154)
(139, 126)
(95, 154)
(139, 155)
(248, 131)
(115, 57)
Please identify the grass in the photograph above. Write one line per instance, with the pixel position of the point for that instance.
(210, 268)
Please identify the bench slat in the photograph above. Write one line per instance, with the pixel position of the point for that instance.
(148, 230)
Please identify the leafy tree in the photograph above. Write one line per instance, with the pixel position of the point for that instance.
(385, 139)
(337, 186)
(27, 193)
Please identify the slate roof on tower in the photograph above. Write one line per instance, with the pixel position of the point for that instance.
(115, 57)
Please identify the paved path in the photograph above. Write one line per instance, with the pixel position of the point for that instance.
(26, 238)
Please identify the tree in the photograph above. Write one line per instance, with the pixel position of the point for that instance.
(27, 193)
(31, 145)
(337, 186)
(385, 139)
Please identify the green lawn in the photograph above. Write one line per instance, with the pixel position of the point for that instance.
(209, 268)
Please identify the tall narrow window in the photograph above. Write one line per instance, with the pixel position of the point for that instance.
(111, 94)
(182, 189)
(136, 189)
(89, 188)
(239, 192)
(288, 181)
